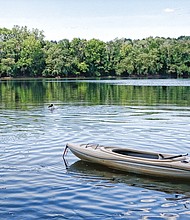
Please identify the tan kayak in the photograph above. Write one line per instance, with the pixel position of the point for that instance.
(135, 161)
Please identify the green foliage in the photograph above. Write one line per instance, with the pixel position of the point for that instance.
(25, 53)
(95, 55)
(21, 52)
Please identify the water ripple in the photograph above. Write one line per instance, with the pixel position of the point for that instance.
(35, 184)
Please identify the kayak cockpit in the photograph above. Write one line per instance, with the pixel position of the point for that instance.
(154, 156)
(135, 154)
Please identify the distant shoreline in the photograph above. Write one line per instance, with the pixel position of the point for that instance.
(95, 78)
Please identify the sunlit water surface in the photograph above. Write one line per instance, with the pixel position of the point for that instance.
(34, 181)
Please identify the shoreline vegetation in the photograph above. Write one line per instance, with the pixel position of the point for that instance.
(25, 53)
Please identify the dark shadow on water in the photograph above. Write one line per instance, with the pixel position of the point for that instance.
(93, 172)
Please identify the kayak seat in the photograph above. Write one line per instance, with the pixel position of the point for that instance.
(172, 157)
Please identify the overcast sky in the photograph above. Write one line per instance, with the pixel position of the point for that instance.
(102, 19)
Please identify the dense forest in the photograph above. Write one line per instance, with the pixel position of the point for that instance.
(26, 53)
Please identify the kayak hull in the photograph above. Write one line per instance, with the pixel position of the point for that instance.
(135, 161)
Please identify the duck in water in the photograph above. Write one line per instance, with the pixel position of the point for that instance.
(51, 107)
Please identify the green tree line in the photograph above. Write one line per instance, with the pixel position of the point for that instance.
(26, 53)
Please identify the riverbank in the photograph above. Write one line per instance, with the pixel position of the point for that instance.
(99, 78)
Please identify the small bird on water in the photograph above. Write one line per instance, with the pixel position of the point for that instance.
(51, 107)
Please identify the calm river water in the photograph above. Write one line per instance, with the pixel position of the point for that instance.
(140, 114)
